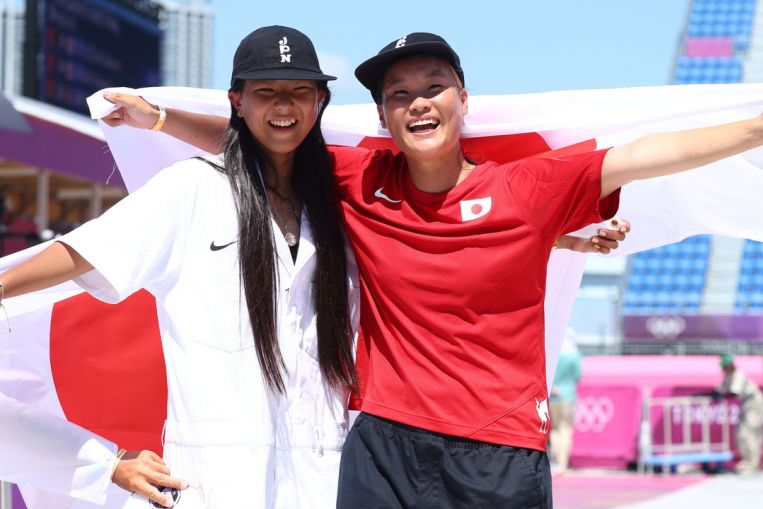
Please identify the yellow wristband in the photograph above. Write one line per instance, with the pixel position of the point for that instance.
(160, 122)
(120, 454)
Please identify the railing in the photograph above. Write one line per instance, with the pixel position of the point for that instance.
(703, 347)
(691, 447)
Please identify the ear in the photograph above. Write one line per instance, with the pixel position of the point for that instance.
(464, 96)
(321, 97)
(235, 101)
(380, 111)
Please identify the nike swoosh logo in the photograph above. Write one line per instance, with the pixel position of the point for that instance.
(380, 194)
(215, 247)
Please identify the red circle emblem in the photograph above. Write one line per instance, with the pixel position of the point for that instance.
(108, 368)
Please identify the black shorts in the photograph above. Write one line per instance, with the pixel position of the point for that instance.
(388, 465)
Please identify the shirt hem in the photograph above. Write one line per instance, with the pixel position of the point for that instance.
(457, 430)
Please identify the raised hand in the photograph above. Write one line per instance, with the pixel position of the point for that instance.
(604, 242)
(134, 111)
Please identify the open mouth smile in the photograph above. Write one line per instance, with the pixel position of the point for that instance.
(423, 125)
(283, 123)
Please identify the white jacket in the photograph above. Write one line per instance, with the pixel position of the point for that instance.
(235, 442)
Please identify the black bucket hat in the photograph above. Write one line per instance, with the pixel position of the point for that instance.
(371, 72)
(277, 53)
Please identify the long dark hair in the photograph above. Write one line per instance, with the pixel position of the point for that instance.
(313, 183)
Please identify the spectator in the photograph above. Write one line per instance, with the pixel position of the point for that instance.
(563, 400)
(750, 427)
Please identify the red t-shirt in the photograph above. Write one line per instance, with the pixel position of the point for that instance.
(452, 288)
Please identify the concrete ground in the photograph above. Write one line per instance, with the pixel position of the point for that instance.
(600, 489)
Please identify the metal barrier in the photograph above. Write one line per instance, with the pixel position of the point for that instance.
(692, 411)
(6, 502)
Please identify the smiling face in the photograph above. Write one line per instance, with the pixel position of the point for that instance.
(423, 107)
(278, 113)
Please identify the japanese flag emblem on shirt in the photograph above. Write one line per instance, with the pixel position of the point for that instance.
(474, 209)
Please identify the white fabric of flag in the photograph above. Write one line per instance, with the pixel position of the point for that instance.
(721, 198)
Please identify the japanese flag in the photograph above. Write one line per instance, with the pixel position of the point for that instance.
(70, 359)
(474, 209)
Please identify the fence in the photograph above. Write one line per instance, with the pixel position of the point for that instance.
(684, 429)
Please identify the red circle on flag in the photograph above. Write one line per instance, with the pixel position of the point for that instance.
(476, 209)
(108, 368)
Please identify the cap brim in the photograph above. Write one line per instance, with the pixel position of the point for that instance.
(370, 71)
(284, 74)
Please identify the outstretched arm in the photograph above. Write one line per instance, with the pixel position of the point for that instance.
(135, 471)
(666, 153)
(58, 263)
(202, 131)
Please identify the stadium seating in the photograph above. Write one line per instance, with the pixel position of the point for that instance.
(709, 70)
(716, 30)
(669, 279)
(749, 298)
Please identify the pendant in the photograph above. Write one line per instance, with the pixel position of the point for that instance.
(291, 239)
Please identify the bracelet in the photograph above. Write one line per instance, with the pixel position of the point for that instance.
(162, 117)
(120, 454)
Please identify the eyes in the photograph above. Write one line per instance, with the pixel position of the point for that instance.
(429, 90)
(297, 91)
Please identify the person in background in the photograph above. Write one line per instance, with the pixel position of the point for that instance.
(564, 397)
(750, 427)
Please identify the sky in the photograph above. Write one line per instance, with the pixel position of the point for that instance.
(505, 46)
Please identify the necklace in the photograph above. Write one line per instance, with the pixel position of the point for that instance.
(292, 239)
(465, 172)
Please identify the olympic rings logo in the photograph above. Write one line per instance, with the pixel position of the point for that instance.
(666, 327)
(594, 413)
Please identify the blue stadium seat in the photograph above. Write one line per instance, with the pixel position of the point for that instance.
(669, 279)
(749, 298)
(694, 300)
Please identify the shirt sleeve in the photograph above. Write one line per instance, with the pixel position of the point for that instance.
(348, 164)
(49, 453)
(561, 195)
(139, 242)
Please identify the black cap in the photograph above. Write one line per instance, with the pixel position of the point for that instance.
(371, 72)
(277, 53)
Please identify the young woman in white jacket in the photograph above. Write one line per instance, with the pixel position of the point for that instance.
(245, 255)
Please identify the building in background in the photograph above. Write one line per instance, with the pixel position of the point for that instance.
(187, 46)
(57, 52)
(184, 28)
(73, 48)
(11, 45)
